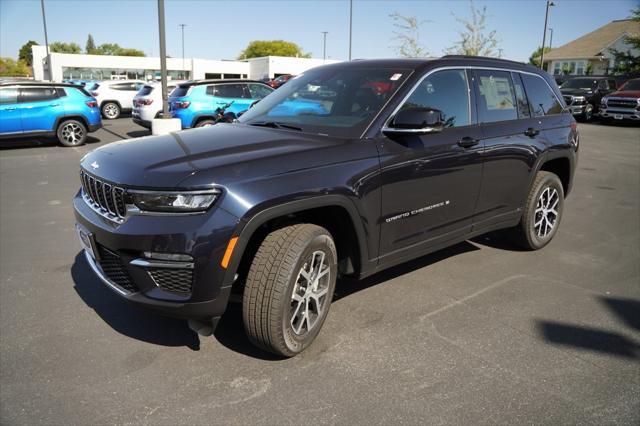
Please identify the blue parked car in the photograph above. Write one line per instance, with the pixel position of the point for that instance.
(47, 109)
(200, 103)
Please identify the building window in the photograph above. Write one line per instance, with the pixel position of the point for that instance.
(75, 73)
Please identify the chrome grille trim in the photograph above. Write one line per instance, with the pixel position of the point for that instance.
(104, 198)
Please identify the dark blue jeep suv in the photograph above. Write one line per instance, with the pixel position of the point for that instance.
(30, 109)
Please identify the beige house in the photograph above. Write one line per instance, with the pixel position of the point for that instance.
(590, 53)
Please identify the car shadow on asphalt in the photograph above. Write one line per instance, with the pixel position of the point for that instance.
(40, 142)
(609, 342)
(125, 318)
(139, 133)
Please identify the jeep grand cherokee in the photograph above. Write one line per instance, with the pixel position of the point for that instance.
(347, 169)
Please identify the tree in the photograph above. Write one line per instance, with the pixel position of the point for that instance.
(534, 59)
(626, 62)
(11, 68)
(26, 54)
(474, 39)
(90, 46)
(407, 36)
(259, 48)
(114, 49)
(62, 47)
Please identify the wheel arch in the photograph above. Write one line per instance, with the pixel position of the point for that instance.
(114, 101)
(63, 118)
(200, 118)
(336, 213)
(561, 167)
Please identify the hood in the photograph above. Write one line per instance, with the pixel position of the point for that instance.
(226, 151)
(625, 94)
(576, 92)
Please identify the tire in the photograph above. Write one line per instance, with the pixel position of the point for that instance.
(539, 223)
(281, 313)
(110, 110)
(71, 133)
(205, 123)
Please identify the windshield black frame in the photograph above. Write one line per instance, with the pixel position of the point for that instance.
(335, 124)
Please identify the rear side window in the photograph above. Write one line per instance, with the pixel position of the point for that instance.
(8, 95)
(34, 94)
(226, 91)
(62, 93)
(542, 100)
(182, 91)
(145, 91)
(521, 97)
(446, 91)
(497, 98)
(259, 91)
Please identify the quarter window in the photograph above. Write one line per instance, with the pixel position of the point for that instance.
(259, 91)
(446, 91)
(542, 100)
(8, 95)
(497, 99)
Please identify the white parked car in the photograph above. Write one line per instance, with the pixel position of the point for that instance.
(147, 104)
(116, 96)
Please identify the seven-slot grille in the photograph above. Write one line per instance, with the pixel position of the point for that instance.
(107, 198)
(621, 103)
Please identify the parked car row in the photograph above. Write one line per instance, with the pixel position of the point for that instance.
(589, 97)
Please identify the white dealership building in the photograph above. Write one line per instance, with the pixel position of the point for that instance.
(63, 66)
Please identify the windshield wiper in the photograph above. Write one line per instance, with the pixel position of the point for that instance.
(275, 125)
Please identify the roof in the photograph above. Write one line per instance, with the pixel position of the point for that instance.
(214, 81)
(595, 42)
(37, 83)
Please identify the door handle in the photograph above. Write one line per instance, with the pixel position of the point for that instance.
(54, 105)
(468, 142)
(9, 109)
(531, 132)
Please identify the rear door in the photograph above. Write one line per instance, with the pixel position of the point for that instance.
(512, 141)
(125, 92)
(10, 121)
(39, 108)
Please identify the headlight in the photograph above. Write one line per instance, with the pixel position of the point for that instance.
(174, 202)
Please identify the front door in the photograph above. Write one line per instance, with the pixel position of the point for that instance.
(430, 183)
(9, 113)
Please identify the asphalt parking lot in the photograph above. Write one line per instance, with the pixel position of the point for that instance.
(479, 333)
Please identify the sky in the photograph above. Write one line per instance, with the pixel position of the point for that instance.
(222, 29)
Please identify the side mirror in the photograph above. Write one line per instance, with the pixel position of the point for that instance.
(416, 121)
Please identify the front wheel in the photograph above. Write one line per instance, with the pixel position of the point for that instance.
(542, 213)
(289, 288)
(72, 133)
(111, 110)
(205, 123)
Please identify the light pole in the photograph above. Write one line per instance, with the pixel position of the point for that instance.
(550, 37)
(163, 60)
(182, 28)
(544, 34)
(350, 25)
(324, 45)
(46, 40)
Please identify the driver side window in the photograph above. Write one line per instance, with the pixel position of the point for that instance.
(447, 91)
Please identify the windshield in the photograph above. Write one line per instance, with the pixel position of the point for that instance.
(580, 83)
(335, 101)
(631, 85)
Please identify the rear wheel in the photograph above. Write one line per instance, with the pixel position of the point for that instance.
(71, 133)
(289, 288)
(542, 213)
(111, 110)
(205, 123)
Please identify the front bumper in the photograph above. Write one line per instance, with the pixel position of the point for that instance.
(133, 277)
(620, 113)
(578, 109)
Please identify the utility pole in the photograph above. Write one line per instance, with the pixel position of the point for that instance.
(324, 45)
(182, 28)
(163, 60)
(544, 33)
(46, 41)
(350, 25)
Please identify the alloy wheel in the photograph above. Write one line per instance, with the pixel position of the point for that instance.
(72, 133)
(309, 296)
(110, 111)
(546, 213)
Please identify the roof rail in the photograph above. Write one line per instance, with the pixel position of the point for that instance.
(481, 57)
